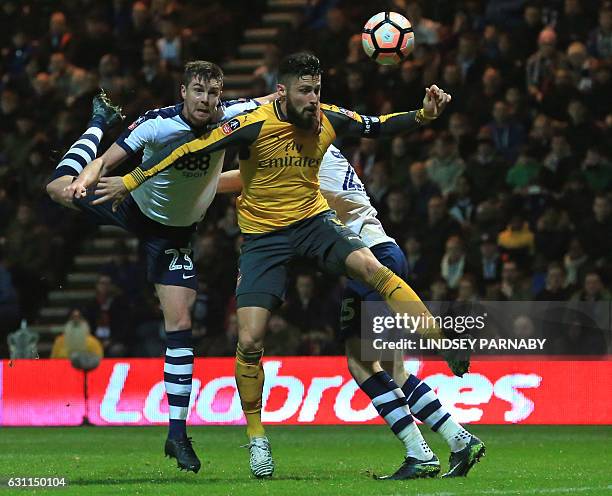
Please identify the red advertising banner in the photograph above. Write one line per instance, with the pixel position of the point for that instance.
(301, 390)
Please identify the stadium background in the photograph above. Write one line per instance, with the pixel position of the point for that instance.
(518, 169)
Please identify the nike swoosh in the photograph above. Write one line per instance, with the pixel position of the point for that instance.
(182, 379)
(188, 277)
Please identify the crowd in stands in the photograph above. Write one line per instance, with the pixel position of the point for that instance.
(506, 197)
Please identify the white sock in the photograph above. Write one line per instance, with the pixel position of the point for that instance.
(416, 446)
(455, 435)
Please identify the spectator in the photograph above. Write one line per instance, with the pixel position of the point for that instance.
(481, 102)
(440, 226)
(512, 285)
(28, 255)
(466, 290)
(106, 315)
(396, 214)
(462, 208)
(454, 262)
(460, 129)
(9, 304)
(59, 38)
(421, 188)
(593, 289)
(517, 240)
(109, 76)
(304, 309)
(378, 183)
(575, 263)
(581, 131)
(445, 165)
(529, 30)
(541, 66)
(282, 338)
(96, 41)
(418, 263)
(63, 75)
(574, 24)
(425, 30)
(562, 90)
(77, 343)
(600, 40)
(139, 30)
(154, 76)
(555, 285)
(580, 66)
(557, 164)
(486, 169)
(365, 157)
(488, 263)
(508, 136)
(268, 71)
(171, 45)
(524, 171)
(468, 59)
(594, 232)
(597, 169)
(553, 232)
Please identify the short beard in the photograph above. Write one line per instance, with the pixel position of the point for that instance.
(297, 119)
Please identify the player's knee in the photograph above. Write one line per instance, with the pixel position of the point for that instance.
(362, 264)
(53, 191)
(250, 338)
(179, 323)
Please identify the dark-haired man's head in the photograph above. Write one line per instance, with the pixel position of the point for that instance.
(201, 90)
(299, 88)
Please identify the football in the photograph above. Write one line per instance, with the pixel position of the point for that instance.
(387, 38)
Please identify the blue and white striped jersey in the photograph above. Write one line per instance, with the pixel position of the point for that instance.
(180, 195)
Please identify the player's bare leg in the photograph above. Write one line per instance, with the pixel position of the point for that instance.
(363, 266)
(466, 449)
(176, 304)
(392, 405)
(252, 322)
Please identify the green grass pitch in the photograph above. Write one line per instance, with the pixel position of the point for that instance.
(323, 460)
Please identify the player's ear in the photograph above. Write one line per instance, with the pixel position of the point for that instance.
(183, 91)
(281, 90)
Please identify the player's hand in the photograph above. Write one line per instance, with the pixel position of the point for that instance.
(110, 188)
(86, 179)
(435, 101)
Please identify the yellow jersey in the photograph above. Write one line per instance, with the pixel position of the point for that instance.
(279, 162)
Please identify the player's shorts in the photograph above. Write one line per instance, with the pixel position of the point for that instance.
(262, 277)
(355, 292)
(167, 248)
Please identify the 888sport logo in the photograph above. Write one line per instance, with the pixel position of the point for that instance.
(193, 164)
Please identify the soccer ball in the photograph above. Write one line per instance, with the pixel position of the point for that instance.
(387, 38)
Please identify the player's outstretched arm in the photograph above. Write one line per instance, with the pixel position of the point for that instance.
(230, 182)
(346, 122)
(92, 172)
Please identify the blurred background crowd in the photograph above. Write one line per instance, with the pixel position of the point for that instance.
(506, 197)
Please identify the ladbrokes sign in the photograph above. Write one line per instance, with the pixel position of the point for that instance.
(300, 390)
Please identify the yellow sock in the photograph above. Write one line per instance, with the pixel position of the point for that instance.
(250, 380)
(401, 298)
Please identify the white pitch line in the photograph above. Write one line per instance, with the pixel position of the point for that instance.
(555, 490)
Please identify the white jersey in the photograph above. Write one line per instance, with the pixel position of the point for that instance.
(346, 194)
(179, 195)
